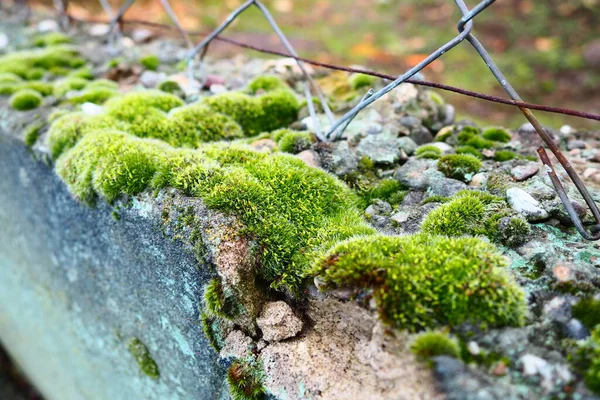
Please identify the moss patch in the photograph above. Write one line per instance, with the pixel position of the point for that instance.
(141, 354)
(22, 62)
(245, 380)
(25, 99)
(459, 166)
(150, 62)
(433, 344)
(429, 151)
(426, 281)
(497, 135)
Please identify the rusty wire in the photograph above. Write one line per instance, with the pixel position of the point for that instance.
(465, 27)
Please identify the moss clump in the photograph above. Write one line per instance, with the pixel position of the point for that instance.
(587, 310)
(25, 99)
(93, 95)
(389, 190)
(426, 281)
(51, 39)
(466, 134)
(32, 133)
(141, 354)
(266, 83)
(435, 199)
(150, 62)
(584, 357)
(459, 166)
(83, 72)
(497, 135)
(504, 155)
(22, 62)
(212, 328)
(63, 86)
(358, 81)
(479, 142)
(293, 142)
(433, 344)
(429, 151)
(267, 112)
(43, 88)
(219, 301)
(245, 379)
(469, 150)
(35, 74)
(477, 213)
(498, 183)
(10, 78)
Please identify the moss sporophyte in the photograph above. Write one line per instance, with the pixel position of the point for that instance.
(305, 222)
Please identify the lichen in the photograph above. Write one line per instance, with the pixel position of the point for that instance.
(459, 166)
(477, 213)
(25, 99)
(142, 356)
(426, 281)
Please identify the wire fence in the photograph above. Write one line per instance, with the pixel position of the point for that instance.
(336, 127)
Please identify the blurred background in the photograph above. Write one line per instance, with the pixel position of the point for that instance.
(549, 50)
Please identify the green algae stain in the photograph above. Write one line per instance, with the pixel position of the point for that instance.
(142, 356)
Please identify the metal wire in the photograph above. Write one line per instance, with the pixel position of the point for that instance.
(465, 27)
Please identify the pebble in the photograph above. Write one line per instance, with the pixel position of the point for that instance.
(267, 145)
(91, 109)
(575, 144)
(218, 89)
(3, 41)
(534, 365)
(47, 25)
(522, 202)
(566, 130)
(382, 149)
(151, 78)
(309, 157)
(574, 329)
(558, 309)
(473, 348)
(407, 144)
(524, 172)
(99, 30)
(444, 147)
(141, 35)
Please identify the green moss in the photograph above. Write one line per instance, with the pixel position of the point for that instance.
(83, 72)
(466, 134)
(587, 310)
(435, 199)
(32, 133)
(498, 183)
(51, 39)
(256, 114)
(102, 84)
(63, 86)
(25, 99)
(433, 344)
(292, 141)
(459, 166)
(171, 87)
(469, 150)
(497, 135)
(95, 95)
(584, 357)
(477, 213)
(150, 62)
(141, 354)
(35, 74)
(479, 143)
(10, 78)
(245, 379)
(444, 134)
(266, 83)
(449, 280)
(358, 81)
(43, 88)
(504, 155)
(429, 151)
(213, 328)
(389, 190)
(219, 301)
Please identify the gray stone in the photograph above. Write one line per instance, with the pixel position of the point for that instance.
(574, 329)
(151, 78)
(522, 202)
(378, 207)
(575, 144)
(421, 135)
(277, 321)
(525, 171)
(237, 345)
(444, 147)
(558, 309)
(382, 149)
(407, 144)
(417, 173)
(446, 187)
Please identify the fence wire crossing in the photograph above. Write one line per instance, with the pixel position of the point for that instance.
(335, 130)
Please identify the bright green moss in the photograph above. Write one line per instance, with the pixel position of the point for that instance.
(584, 357)
(256, 114)
(466, 134)
(294, 142)
(219, 301)
(43, 88)
(102, 84)
(212, 327)
(358, 81)
(199, 123)
(469, 150)
(22, 62)
(25, 99)
(150, 62)
(63, 86)
(497, 135)
(435, 199)
(479, 143)
(266, 83)
(504, 155)
(429, 151)
(587, 310)
(444, 134)
(10, 78)
(32, 133)
(51, 39)
(459, 166)
(433, 344)
(389, 190)
(93, 95)
(245, 379)
(35, 74)
(84, 72)
(477, 213)
(142, 356)
(425, 281)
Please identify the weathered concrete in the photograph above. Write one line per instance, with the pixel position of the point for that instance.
(76, 285)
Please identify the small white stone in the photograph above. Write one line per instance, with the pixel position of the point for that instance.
(99, 30)
(473, 348)
(524, 203)
(91, 109)
(533, 365)
(277, 321)
(3, 40)
(218, 88)
(47, 25)
(566, 130)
